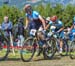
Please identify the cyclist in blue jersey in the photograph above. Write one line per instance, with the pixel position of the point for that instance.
(33, 19)
(72, 29)
(59, 28)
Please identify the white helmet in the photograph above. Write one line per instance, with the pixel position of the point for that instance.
(48, 18)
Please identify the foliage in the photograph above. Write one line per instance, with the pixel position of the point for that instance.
(12, 12)
(64, 13)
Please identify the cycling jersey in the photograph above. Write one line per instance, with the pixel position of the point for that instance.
(34, 21)
(58, 24)
(74, 19)
(71, 34)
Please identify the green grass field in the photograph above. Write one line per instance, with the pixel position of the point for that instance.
(37, 61)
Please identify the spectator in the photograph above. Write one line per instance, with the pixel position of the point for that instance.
(6, 26)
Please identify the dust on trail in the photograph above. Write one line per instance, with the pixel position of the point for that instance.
(64, 61)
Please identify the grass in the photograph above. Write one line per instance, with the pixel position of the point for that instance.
(17, 53)
(14, 61)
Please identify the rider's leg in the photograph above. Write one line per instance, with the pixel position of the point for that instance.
(61, 41)
(41, 43)
(41, 36)
(61, 46)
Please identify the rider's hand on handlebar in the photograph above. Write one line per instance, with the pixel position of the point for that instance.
(58, 31)
(25, 27)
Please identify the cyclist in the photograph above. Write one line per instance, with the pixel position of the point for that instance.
(73, 23)
(59, 28)
(72, 29)
(33, 20)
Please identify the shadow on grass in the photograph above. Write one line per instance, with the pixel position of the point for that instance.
(54, 58)
(13, 59)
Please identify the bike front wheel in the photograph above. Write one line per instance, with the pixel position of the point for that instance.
(28, 50)
(4, 48)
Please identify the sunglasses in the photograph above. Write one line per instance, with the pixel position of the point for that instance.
(29, 9)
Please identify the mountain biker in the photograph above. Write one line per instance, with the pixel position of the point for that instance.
(33, 20)
(6, 26)
(59, 28)
(72, 29)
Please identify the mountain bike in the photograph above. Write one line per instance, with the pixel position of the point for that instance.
(4, 46)
(53, 45)
(30, 46)
(72, 47)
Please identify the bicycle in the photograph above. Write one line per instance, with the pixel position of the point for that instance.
(4, 46)
(30, 46)
(72, 47)
(53, 44)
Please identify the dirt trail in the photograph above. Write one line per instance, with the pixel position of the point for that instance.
(64, 61)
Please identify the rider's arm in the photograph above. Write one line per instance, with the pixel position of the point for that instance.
(61, 29)
(47, 27)
(26, 22)
(71, 27)
(43, 21)
(50, 23)
(65, 30)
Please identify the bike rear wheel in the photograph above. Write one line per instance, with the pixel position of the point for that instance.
(72, 50)
(65, 47)
(51, 48)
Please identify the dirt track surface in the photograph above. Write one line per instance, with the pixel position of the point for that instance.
(64, 61)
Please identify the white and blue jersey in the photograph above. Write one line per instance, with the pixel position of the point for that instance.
(71, 34)
(73, 30)
(34, 22)
(58, 24)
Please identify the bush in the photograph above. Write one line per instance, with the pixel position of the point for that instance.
(12, 12)
(64, 13)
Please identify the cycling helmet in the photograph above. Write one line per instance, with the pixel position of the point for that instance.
(53, 18)
(48, 18)
(27, 8)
